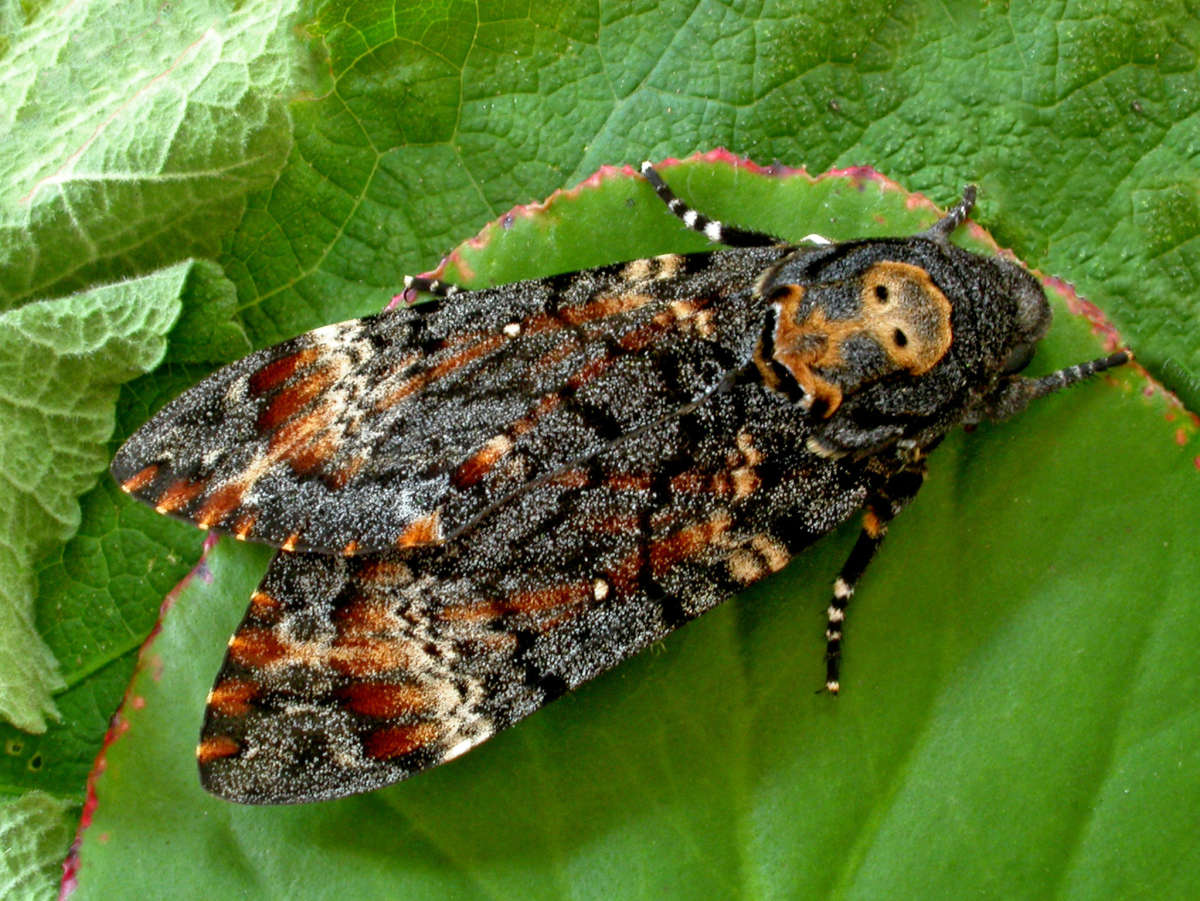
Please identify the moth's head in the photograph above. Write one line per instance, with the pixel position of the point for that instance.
(908, 323)
(1029, 312)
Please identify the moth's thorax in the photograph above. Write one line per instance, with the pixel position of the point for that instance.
(833, 337)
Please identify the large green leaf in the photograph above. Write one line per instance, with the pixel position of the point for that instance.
(141, 129)
(1007, 616)
(139, 136)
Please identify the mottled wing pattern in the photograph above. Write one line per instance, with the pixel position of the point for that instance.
(401, 429)
(349, 673)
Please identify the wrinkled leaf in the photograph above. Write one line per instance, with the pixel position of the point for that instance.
(33, 830)
(141, 131)
(63, 364)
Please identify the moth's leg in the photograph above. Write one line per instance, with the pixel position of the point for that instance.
(879, 511)
(955, 216)
(729, 235)
(1020, 392)
(430, 286)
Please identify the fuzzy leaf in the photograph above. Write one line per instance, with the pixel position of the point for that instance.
(33, 830)
(142, 129)
(63, 363)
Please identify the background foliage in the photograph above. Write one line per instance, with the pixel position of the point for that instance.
(190, 180)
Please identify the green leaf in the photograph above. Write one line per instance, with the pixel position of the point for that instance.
(140, 135)
(315, 175)
(33, 830)
(986, 634)
(63, 363)
(134, 138)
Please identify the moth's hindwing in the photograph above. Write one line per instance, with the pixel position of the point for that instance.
(351, 673)
(401, 429)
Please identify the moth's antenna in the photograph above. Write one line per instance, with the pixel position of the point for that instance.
(942, 229)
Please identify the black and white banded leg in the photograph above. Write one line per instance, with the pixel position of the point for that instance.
(880, 510)
(430, 286)
(941, 230)
(729, 235)
(1019, 393)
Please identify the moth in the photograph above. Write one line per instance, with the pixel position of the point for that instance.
(483, 501)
